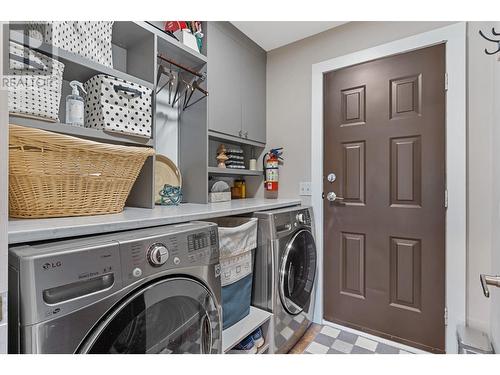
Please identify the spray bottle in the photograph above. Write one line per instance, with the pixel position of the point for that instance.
(75, 105)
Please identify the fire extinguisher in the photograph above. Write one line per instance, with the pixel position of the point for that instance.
(270, 165)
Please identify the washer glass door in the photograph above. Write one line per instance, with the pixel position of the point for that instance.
(297, 272)
(177, 315)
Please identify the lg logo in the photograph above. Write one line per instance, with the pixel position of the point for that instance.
(50, 265)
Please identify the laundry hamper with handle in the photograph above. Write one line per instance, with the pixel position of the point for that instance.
(237, 240)
(55, 175)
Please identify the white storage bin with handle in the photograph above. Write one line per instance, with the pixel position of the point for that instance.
(90, 39)
(35, 83)
(237, 240)
(113, 104)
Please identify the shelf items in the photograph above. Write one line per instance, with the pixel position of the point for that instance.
(237, 332)
(175, 49)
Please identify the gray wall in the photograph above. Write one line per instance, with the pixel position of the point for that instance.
(480, 172)
(289, 125)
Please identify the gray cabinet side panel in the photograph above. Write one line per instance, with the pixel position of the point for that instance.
(193, 153)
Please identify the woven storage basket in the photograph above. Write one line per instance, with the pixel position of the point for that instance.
(54, 175)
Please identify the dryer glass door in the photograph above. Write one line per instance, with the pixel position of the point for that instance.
(177, 315)
(297, 272)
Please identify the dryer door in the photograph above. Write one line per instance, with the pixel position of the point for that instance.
(297, 272)
(177, 315)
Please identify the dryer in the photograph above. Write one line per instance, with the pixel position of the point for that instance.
(154, 290)
(285, 272)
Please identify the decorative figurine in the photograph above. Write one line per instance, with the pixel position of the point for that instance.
(221, 156)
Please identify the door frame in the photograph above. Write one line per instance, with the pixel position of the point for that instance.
(456, 159)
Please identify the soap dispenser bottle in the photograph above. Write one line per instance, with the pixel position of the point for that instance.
(75, 105)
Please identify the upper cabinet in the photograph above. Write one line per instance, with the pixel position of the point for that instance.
(236, 83)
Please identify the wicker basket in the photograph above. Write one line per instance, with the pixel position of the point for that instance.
(54, 175)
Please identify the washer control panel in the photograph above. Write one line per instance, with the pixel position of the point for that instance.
(165, 248)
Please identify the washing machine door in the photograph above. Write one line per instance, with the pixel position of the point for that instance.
(297, 272)
(177, 315)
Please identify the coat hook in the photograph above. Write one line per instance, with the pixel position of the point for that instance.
(495, 34)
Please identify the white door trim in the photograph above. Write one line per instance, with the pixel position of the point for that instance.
(456, 153)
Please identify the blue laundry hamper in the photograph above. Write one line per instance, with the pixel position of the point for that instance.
(237, 241)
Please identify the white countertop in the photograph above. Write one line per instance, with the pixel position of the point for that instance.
(29, 230)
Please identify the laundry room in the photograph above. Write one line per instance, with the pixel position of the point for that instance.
(250, 187)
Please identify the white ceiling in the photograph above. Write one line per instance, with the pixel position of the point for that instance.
(270, 35)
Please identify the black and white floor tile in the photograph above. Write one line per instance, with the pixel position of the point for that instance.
(331, 340)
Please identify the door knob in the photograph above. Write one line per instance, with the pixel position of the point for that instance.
(489, 280)
(332, 197)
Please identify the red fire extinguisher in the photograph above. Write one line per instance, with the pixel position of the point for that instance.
(270, 164)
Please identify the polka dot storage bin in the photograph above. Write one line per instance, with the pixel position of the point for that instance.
(113, 104)
(90, 39)
(34, 83)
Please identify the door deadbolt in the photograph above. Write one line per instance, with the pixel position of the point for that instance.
(331, 177)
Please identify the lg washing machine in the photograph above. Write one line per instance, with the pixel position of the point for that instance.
(154, 290)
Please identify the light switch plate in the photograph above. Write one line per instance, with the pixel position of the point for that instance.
(305, 188)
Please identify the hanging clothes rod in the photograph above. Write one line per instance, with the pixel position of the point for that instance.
(189, 70)
(178, 84)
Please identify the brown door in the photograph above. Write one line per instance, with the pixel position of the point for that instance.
(384, 139)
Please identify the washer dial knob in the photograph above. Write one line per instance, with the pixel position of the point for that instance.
(158, 254)
(301, 218)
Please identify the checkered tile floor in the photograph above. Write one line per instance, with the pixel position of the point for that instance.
(331, 340)
(286, 327)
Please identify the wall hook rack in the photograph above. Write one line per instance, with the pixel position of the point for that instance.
(497, 41)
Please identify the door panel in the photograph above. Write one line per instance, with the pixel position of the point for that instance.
(384, 134)
(405, 273)
(353, 172)
(405, 171)
(353, 264)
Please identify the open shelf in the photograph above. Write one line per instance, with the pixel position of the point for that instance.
(237, 332)
(76, 67)
(263, 349)
(216, 171)
(174, 49)
(77, 131)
